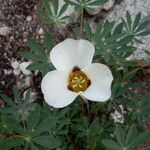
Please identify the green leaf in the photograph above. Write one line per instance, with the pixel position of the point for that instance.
(99, 28)
(46, 142)
(129, 21)
(140, 139)
(144, 33)
(36, 47)
(10, 143)
(33, 147)
(48, 42)
(88, 31)
(32, 56)
(37, 66)
(147, 52)
(111, 145)
(8, 100)
(43, 126)
(63, 9)
(32, 120)
(118, 29)
(120, 135)
(126, 40)
(136, 21)
(47, 6)
(26, 147)
(131, 134)
(142, 26)
(27, 97)
(13, 125)
(55, 5)
(16, 94)
(130, 75)
(6, 110)
(97, 2)
(146, 98)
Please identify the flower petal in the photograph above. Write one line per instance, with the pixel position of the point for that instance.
(101, 79)
(54, 88)
(71, 53)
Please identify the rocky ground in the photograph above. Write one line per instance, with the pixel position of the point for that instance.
(134, 7)
(19, 21)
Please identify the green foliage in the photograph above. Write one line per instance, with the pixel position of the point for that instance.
(125, 140)
(28, 133)
(136, 27)
(48, 128)
(113, 46)
(18, 108)
(141, 109)
(52, 13)
(39, 55)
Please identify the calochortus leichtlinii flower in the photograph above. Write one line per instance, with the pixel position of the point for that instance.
(75, 75)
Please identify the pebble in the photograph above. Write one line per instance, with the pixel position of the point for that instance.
(7, 72)
(16, 72)
(4, 30)
(27, 81)
(23, 67)
(40, 31)
(29, 18)
(15, 65)
(107, 6)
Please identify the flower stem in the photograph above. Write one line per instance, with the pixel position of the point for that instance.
(145, 65)
(81, 22)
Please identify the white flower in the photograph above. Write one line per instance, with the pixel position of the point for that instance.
(75, 75)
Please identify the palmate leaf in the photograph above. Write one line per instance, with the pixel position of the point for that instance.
(131, 133)
(38, 129)
(111, 145)
(141, 108)
(126, 140)
(32, 121)
(135, 27)
(46, 142)
(120, 135)
(30, 133)
(10, 143)
(140, 139)
(112, 45)
(39, 55)
(52, 13)
(19, 107)
(8, 100)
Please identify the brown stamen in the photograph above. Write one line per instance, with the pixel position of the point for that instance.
(76, 68)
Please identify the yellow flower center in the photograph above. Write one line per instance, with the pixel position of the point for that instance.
(78, 81)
